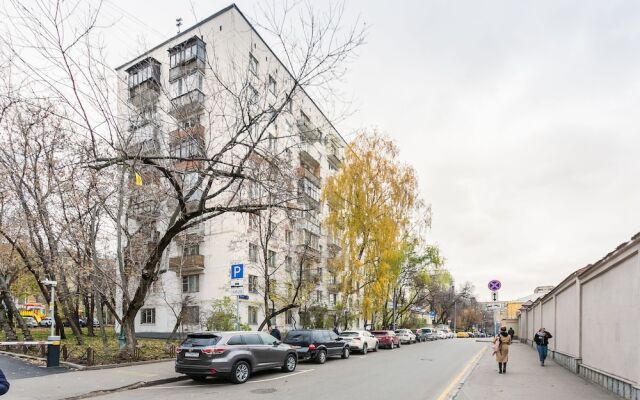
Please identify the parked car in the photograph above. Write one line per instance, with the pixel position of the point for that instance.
(440, 334)
(235, 355)
(462, 335)
(387, 339)
(471, 334)
(362, 341)
(421, 336)
(317, 344)
(406, 336)
(47, 321)
(30, 322)
(81, 322)
(429, 332)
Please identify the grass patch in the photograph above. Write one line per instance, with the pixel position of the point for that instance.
(148, 349)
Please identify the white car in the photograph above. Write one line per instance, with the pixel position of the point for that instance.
(363, 341)
(406, 336)
(440, 334)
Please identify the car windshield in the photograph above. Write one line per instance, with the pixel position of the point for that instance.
(380, 333)
(350, 334)
(201, 340)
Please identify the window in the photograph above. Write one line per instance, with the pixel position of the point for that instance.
(267, 339)
(187, 52)
(187, 148)
(252, 339)
(253, 64)
(272, 143)
(333, 299)
(272, 85)
(253, 315)
(235, 340)
(271, 259)
(307, 187)
(186, 84)
(191, 250)
(148, 316)
(288, 263)
(252, 95)
(253, 221)
(319, 272)
(318, 296)
(191, 315)
(253, 252)
(191, 284)
(288, 317)
(288, 236)
(190, 122)
(253, 284)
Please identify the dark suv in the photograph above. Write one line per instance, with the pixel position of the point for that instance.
(317, 344)
(235, 355)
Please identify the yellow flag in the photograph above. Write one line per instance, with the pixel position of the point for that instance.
(138, 179)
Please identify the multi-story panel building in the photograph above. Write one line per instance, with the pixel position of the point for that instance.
(168, 94)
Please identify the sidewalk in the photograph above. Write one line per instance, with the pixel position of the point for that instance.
(78, 384)
(526, 379)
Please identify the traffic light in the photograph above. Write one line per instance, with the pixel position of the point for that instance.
(494, 296)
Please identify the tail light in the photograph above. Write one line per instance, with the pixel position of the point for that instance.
(213, 350)
(178, 350)
(312, 347)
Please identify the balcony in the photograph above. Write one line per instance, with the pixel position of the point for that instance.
(187, 103)
(333, 287)
(196, 131)
(308, 131)
(335, 158)
(187, 264)
(308, 252)
(145, 93)
(309, 193)
(310, 155)
(144, 82)
(305, 172)
(311, 225)
(188, 67)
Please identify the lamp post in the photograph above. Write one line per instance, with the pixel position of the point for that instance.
(53, 349)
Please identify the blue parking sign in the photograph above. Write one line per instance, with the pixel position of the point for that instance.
(237, 271)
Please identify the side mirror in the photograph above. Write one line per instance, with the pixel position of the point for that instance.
(277, 343)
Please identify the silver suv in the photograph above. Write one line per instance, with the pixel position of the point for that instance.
(235, 355)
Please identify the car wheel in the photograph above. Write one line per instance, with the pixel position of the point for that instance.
(364, 349)
(399, 343)
(290, 363)
(240, 372)
(197, 378)
(346, 353)
(321, 357)
(375, 349)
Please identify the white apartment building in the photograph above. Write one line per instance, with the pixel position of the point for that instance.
(177, 75)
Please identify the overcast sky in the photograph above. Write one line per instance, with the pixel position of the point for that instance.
(521, 119)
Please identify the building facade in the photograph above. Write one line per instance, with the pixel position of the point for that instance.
(167, 97)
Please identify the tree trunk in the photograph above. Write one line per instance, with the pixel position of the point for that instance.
(89, 316)
(177, 324)
(101, 320)
(10, 305)
(128, 325)
(6, 328)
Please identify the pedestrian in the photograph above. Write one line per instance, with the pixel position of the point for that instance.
(4, 384)
(501, 349)
(275, 332)
(542, 341)
(511, 332)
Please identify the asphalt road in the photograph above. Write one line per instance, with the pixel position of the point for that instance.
(15, 368)
(419, 371)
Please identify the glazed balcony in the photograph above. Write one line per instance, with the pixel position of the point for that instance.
(187, 103)
(187, 264)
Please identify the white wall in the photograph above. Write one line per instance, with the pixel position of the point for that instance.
(566, 334)
(611, 320)
(548, 317)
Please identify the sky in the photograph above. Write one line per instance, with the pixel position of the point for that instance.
(520, 118)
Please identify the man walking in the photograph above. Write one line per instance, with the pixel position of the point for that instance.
(275, 332)
(542, 341)
(511, 332)
(4, 384)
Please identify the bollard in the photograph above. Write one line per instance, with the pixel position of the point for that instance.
(53, 351)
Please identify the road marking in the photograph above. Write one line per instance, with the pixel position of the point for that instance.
(282, 376)
(456, 380)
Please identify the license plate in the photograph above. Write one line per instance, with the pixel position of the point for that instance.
(192, 354)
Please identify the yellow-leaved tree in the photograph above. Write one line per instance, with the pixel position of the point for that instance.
(371, 200)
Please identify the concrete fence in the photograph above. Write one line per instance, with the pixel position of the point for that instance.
(594, 317)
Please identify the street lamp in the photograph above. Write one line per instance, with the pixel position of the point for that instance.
(52, 303)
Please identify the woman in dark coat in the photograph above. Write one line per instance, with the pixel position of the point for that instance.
(4, 384)
(501, 345)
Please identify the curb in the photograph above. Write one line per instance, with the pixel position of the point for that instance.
(132, 386)
(454, 393)
(42, 359)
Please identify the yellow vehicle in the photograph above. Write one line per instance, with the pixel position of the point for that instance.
(35, 310)
(462, 335)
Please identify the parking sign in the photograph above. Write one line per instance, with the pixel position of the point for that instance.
(237, 271)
